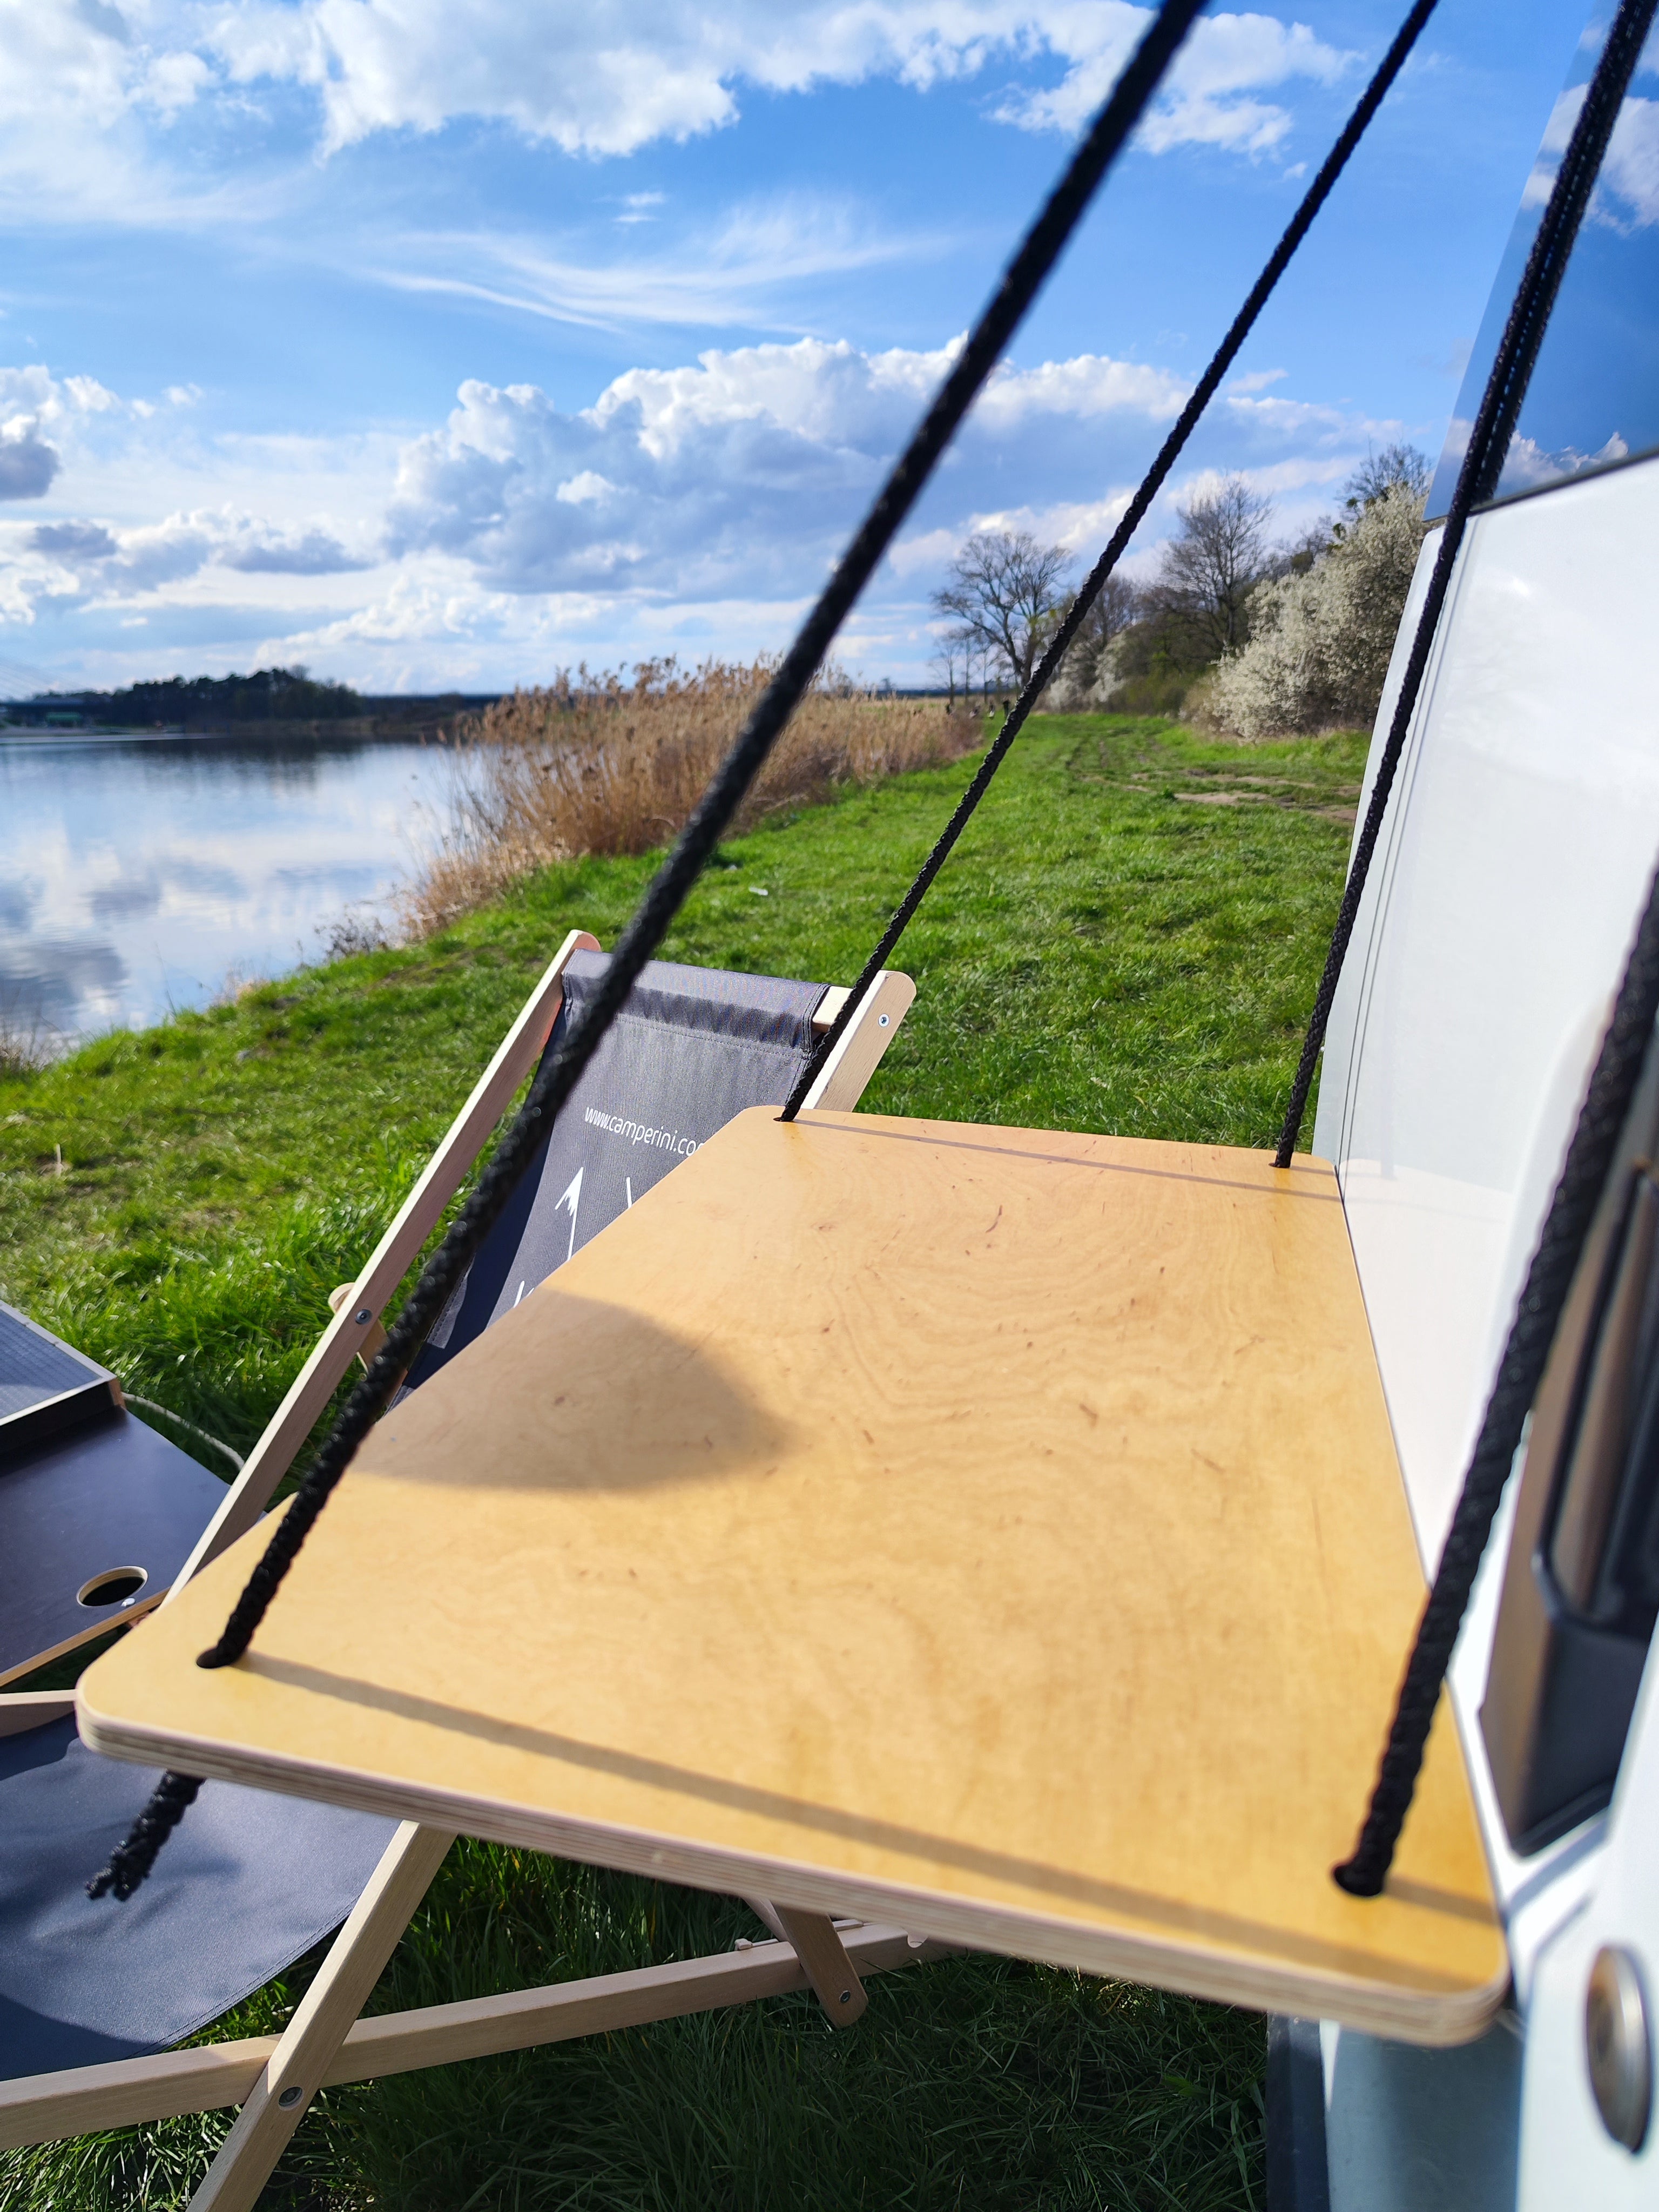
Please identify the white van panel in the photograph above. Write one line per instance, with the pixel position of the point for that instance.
(1521, 840)
(1568, 2160)
(1519, 845)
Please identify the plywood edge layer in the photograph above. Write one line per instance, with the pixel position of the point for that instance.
(1436, 2018)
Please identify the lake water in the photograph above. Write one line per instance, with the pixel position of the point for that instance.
(139, 875)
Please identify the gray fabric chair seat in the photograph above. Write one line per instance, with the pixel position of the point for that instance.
(249, 1881)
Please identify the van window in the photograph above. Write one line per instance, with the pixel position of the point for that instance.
(1593, 398)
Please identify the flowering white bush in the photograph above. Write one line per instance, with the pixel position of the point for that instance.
(1076, 686)
(1320, 642)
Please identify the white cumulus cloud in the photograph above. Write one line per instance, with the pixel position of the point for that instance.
(744, 469)
(29, 463)
(611, 81)
(101, 564)
(1627, 189)
(694, 507)
(110, 85)
(1211, 97)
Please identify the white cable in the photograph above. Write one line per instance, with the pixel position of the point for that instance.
(190, 1427)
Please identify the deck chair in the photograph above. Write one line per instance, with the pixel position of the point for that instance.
(690, 1051)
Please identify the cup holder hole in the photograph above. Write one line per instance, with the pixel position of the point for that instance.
(115, 1586)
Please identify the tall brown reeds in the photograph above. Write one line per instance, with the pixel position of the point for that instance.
(593, 764)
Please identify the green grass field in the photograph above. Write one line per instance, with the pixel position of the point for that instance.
(1127, 940)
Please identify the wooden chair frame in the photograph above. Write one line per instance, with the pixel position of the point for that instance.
(275, 2078)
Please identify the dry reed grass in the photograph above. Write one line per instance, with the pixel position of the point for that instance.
(593, 764)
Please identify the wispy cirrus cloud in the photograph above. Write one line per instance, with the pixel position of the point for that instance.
(742, 266)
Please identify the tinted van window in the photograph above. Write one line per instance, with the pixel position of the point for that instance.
(1593, 400)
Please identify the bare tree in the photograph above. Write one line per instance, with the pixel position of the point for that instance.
(951, 662)
(1398, 467)
(1005, 596)
(1213, 564)
(1117, 606)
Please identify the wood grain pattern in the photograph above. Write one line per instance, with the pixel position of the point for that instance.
(841, 1081)
(992, 1531)
(22, 1710)
(310, 2050)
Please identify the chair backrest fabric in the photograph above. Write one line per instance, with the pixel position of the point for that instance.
(692, 1047)
(75, 1515)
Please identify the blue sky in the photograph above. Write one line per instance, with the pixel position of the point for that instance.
(435, 343)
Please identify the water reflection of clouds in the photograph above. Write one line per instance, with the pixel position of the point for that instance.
(135, 877)
(18, 900)
(1593, 398)
(59, 984)
(123, 901)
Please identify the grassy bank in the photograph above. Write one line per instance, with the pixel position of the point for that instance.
(1127, 940)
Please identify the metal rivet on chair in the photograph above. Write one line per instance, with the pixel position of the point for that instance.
(363, 1315)
(1618, 2046)
(290, 2097)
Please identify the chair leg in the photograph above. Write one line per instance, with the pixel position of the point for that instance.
(127, 2092)
(300, 2063)
(817, 1943)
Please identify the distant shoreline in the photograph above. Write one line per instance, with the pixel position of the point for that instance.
(354, 730)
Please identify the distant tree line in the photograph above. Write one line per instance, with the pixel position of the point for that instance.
(202, 703)
(1255, 636)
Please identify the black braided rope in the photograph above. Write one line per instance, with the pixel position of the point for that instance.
(130, 1862)
(1554, 1263)
(1335, 161)
(1022, 280)
(1477, 481)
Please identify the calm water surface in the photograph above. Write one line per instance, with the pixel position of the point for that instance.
(141, 875)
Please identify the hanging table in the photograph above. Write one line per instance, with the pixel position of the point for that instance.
(988, 1530)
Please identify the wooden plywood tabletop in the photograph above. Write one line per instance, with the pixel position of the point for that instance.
(990, 1530)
